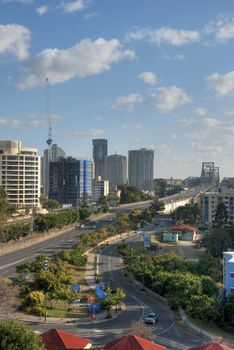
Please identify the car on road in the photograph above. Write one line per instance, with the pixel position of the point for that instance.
(151, 318)
(80, 226)
(93, 226)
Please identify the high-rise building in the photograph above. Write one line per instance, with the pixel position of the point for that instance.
(56, 153)
(20, 173)
(141, 168)
(70, 180)
(210, 201)
(100, 188)
(99, 156)
(116, 169)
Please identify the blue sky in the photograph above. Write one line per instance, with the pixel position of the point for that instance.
(155, 73)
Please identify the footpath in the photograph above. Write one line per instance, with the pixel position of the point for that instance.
(90, 277)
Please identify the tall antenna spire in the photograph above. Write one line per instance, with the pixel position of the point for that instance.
(49, 140)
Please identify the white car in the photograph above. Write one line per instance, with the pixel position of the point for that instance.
(151, 318)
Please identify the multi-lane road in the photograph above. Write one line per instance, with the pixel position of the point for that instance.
(137, 303)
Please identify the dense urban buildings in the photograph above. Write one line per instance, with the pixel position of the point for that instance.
(116, 169)
(20, 173)
(141, 168)
(70, 181)
(99, 155)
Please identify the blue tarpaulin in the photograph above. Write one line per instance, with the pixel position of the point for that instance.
(95, 308)
(75, 288)
(100, 292)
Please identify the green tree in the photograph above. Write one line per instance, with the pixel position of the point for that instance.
(219, 240)
(131, 194)
(187, 213)
(84, 213)
(6, 208)
(15, 336)
(221, 215)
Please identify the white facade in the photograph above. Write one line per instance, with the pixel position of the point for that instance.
(20, 173)
(210, 201)
(100, 188)
(228, 272)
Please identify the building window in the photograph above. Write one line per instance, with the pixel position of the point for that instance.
(232, 274)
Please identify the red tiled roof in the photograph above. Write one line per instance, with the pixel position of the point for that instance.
(55, 339)
(182, 228)
(131, 342)
(211, 346)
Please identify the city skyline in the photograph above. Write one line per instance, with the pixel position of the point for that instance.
(158, 76)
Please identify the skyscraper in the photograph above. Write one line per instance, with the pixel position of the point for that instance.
(20, 173)
(99, 155)
(116, 169)
(56, 153)
(70, 180)
(141, 168)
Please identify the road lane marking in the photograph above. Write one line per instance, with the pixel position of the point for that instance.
(11, 264)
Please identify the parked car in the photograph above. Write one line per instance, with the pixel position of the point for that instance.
(151, 318)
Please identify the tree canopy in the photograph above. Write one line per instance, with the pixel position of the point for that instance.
(15, 336)
(131, 194)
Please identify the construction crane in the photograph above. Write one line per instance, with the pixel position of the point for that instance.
(49, 140)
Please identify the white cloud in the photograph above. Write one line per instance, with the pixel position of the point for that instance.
(229, 139)
(208, 150)
(148, 77)
(132, 126)
(90, 15)
(128, 101)
(170, 98)
(173, 137)
(223, 29)
(208, 123)
(197, 135)
(165, 35)
(73, 6)
(221, 84)
(86, 58)
(98, 119)
(18, 124)
(24, 2)
(42, 10)
(178, 57)
(230, 112)
(14, 41)
(202, 112)
(88, 133)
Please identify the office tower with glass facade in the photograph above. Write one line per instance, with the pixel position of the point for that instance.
(99, 156)
(141, 168)
(116, 169)
(70, 181)
(20, 174)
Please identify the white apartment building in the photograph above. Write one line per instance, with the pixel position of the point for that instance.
(210, 201)
(20, 173)
(100, 188)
